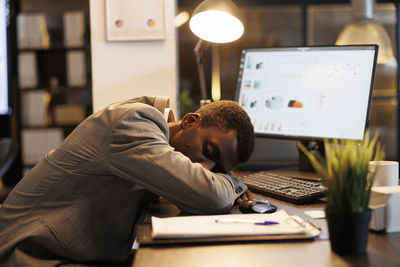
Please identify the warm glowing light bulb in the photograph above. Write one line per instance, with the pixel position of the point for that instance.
(216, 26)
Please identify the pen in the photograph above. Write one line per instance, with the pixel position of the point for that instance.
(255, 222)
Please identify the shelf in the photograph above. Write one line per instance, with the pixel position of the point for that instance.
(53, 103)
(61, 88)
(53, 48)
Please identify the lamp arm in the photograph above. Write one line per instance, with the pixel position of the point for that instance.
(199, 50)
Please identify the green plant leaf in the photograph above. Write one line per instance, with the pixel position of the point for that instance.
(345, 171)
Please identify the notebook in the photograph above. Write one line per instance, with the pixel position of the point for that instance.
(226, 228)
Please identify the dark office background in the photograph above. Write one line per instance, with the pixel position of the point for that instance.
(267, 23)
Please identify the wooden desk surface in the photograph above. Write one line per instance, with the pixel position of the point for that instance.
(383, 249)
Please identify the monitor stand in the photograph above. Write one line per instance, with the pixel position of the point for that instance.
(300, 168)
(315, 147)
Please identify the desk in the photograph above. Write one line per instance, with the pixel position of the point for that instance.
(383, 249)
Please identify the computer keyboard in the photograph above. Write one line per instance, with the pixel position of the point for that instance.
(283, 187)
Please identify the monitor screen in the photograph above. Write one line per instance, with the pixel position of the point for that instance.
(4, 88)
(308, 93)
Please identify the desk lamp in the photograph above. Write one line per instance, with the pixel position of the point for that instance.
(216, 21)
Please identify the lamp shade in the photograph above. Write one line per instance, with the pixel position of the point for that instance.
(364, 29)
(217, 21)
(368, 32)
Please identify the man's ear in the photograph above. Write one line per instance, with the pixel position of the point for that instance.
(189, 120)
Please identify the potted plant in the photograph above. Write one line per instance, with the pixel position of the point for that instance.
(345, 174)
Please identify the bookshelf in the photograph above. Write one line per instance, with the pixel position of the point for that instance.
(53, 73)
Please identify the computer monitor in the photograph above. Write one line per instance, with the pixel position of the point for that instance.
(5, 99)
(308, 93)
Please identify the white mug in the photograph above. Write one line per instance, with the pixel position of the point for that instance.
(386, 172)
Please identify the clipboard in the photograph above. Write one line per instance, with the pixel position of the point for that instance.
(145, 235)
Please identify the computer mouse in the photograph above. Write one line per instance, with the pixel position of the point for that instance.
(255, 206)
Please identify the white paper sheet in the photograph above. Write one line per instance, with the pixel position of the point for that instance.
(207, 226)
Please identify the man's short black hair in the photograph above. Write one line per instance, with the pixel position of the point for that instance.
(228, 115)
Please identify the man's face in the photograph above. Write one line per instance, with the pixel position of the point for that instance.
(214, 149)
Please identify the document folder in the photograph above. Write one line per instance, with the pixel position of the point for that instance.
(226, 228)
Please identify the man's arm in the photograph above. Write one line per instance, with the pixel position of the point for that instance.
(140, 152)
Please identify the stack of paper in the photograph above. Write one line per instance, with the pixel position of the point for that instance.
(76, 68)
(74, 28)
(32, 31)
(36, 143)
(278, 223)
(34, 108)
(27, 70)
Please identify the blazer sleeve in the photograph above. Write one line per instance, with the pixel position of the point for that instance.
(140, 153)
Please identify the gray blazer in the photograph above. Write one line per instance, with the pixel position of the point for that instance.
(80, 203)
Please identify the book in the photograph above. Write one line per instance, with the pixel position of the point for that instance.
(76, 68)
(27, 70)
(32, 31)
(34, 105)
(36, 143)
(68, 114)
(74, 29)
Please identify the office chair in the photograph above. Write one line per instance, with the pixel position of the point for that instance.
(8, 152)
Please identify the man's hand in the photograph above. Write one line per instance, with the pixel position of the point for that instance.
(246, 195)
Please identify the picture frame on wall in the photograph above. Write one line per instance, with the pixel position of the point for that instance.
(135, 20)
